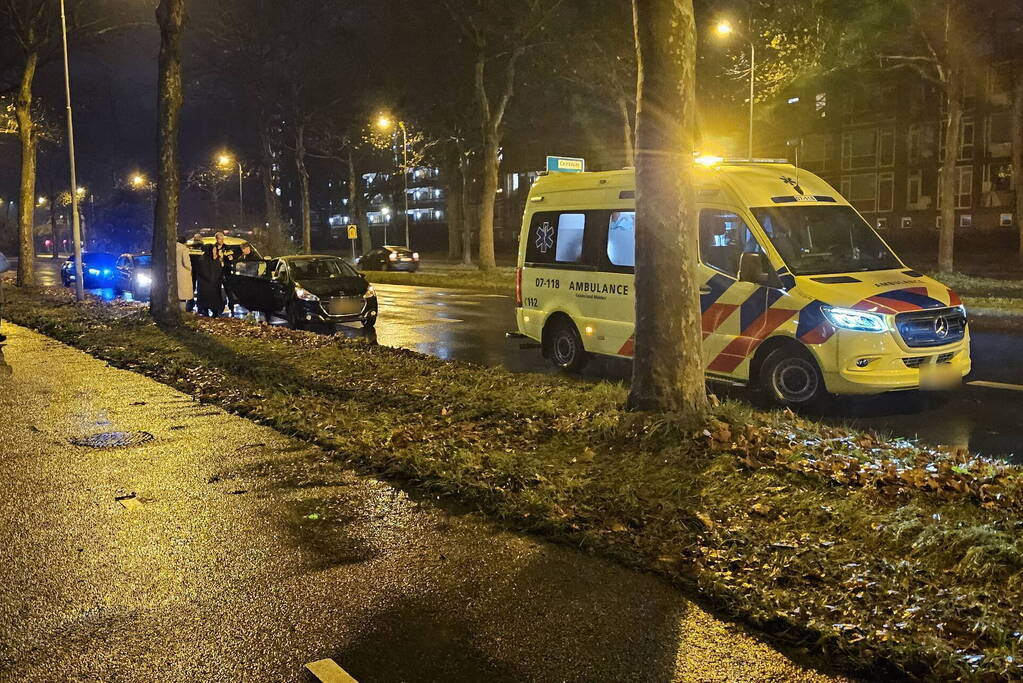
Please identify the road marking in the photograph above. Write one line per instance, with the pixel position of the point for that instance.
(449, 320)
(327, 671)
(996, 385)
(130, 502)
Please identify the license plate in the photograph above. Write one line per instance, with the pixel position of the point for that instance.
(939, 377)
(348, 305)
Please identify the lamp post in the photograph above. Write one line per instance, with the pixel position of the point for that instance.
(386, 213)
(76, 226)
(385, 123)
(725, 29)
(226, 161)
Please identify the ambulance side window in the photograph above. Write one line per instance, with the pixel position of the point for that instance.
(559, 238)
(621, 239)
(724, 237)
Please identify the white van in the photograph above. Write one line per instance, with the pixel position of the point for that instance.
(799, 294)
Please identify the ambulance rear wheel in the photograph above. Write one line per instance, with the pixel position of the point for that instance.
(791, 377)
(565, 346)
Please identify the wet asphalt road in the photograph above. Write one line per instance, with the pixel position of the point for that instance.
(237, 554)
(471, 327)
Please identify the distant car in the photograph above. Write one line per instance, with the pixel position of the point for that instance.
(98, 270)
(306, 289)
(390, 258)
(134, 274)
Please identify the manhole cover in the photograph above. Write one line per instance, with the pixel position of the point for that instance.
(113, 439)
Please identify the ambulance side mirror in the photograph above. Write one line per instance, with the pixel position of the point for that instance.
(752, 268)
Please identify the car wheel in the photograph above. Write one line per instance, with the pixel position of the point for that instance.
(369, 322)
(791, 377)
(565, 347)
(295, 319)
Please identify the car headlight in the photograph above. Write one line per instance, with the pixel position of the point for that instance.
(370, 293)
(143, 280)
(305, 294)
(93, 271)
(851, 319)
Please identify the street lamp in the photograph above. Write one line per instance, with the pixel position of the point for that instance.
(225, 161)
(386, 123)
(724, 29)
(76, 225)
(138, 181)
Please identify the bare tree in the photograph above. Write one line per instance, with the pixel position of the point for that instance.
(170, 15)
(667, 370)
(500, 35)
(209, 179)
(34, 25)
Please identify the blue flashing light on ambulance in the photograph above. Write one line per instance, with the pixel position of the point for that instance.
(799, 295)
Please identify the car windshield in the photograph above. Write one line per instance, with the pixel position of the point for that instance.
(145, 261)
(814, 240)
(320, 269)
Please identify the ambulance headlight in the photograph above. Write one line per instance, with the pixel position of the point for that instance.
(851, 319)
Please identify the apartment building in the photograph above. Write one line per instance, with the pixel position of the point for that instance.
(881, 142)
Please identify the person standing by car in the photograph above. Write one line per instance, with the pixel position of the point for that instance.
(211, 280)
(186, 289)
(248, 254)
(5, 265)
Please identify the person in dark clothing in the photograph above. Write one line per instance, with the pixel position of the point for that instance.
(248, 254)
(210, 280)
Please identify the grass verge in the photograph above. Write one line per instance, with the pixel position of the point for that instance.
(895, 559)
(497, 281)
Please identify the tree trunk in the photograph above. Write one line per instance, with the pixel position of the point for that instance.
(163, 306)
(303, 182)
(667, 371)
(276, 240)
(54, 236)
(355, 213)
(1017, 154)
(627, 131)
(454, 211)
(467, 208)
(488, 199)
(948, 172)
(27, 190)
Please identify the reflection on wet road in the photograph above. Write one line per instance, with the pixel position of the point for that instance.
(468, 326)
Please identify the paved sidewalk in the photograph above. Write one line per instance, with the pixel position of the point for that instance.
(224, 551)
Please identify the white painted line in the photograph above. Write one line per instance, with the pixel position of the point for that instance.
(327, 671)
(449, 320)
(996, 385)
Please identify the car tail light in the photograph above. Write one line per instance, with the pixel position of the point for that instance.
(518, 288)
(393, 256)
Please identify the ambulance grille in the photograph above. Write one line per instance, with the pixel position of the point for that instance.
(921, 329)
(914, 362)
(944, 359)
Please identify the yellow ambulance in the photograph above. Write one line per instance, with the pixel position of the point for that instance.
(799, 295)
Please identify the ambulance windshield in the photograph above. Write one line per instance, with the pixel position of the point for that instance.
(814, 240)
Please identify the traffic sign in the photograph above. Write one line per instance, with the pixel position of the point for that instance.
(566, 165)
(353, 232)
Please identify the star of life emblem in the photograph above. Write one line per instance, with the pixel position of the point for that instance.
(545, 238)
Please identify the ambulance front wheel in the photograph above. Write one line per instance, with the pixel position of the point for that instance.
(792, 377)
(565, 346)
